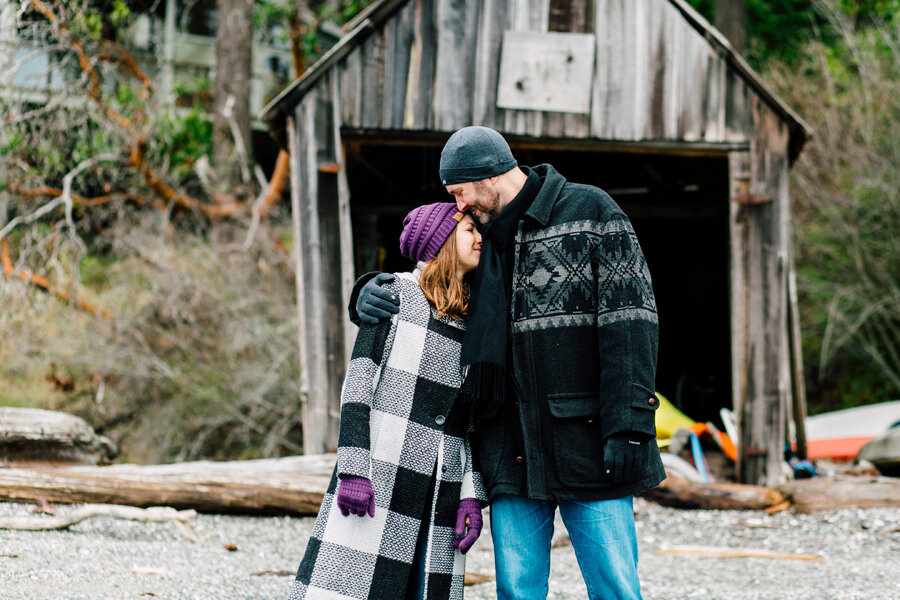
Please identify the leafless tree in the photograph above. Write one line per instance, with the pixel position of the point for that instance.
(846, 187)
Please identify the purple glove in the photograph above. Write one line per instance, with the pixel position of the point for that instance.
(355, 495)
(468, 513)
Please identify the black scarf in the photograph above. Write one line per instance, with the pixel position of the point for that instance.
(484, 346)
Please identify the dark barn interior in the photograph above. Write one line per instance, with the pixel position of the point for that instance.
(678, 205)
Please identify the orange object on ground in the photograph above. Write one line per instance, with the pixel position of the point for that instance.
(721, 438)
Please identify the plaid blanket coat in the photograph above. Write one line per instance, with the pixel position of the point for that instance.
(400, 426)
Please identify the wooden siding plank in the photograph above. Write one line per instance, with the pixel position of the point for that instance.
(738, 115)
(657, 68)
(398, 42)
(373, 80)
(454, 84)
(495, 19)
(642, 32)
(693, 90)
(422, 68)
(348, 88)
(715, 93)
(605, 91)
(673, 33)
(388, 99)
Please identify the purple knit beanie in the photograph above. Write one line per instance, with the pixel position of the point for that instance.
(426, 228)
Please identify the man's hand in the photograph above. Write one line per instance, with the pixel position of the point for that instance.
(356, 496)
(468, 514)
(622, 456)
(376, 303)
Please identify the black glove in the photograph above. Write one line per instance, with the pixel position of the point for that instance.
(622, 456)
(376, 303)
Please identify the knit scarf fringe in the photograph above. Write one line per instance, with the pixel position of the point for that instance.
(485, 385)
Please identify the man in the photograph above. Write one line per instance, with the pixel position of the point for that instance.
(561, 347)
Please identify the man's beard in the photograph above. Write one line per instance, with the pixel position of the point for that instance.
(488, 204)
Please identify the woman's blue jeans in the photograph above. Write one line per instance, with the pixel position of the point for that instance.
(602, 534)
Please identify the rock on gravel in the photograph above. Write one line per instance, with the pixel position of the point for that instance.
(253, 558)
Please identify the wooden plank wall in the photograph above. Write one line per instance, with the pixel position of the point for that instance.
(433, 66)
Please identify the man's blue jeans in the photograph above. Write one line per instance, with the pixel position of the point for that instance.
(602, 534)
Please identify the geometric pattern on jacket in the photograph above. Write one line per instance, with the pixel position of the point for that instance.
(562, 285)
(400, 426)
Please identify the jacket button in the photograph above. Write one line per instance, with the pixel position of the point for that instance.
(652, 401)
(520, 460)
(440, 419)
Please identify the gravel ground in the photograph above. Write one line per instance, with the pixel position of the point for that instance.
(104, 558)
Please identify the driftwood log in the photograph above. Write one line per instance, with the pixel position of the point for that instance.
(34, 436)
(823, 493)
(678, 492)
(296, 485)
(154, 514)
(280, 486)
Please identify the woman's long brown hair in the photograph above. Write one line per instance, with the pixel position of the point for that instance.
(448, 295)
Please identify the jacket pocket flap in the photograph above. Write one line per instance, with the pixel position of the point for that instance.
(643, 398)
(573, 404)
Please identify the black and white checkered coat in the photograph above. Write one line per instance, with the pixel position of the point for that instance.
(400, 425)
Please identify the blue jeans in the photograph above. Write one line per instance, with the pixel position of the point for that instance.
(602, 534)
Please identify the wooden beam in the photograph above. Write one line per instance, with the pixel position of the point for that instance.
(383, 137)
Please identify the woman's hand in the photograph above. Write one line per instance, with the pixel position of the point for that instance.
(468, 513)
(356, 496)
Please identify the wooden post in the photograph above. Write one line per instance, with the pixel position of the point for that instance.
(348, 272)
(320, 197)
(739, 185)
(798, 381)
(309, 247)
(300, 272)
(760, 242)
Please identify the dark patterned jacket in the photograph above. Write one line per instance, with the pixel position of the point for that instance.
(401, 427)
(583, 349)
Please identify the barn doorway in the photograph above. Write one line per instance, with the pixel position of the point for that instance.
(679, 208)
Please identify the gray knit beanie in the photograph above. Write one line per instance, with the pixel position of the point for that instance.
(475, 153)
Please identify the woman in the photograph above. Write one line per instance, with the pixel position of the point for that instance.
(404, 490)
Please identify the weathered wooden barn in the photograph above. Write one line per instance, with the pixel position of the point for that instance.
(642, 98)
